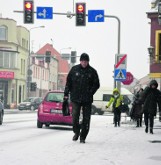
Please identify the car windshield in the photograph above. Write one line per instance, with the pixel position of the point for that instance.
(55, 97)
(29, 99)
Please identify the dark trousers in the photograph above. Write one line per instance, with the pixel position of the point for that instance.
(139, 121)
(82, 128)
(148, 117)
(117, 116)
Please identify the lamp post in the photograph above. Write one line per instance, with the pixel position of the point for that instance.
(29, 71)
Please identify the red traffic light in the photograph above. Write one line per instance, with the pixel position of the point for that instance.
(80, 14)
(28, 5)
(80, 8)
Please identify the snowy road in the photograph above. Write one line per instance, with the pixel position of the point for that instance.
(22, 143)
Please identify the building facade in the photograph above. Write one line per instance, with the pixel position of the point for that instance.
(14, 66)
(44, 74)
(155, 42)
(13, 61)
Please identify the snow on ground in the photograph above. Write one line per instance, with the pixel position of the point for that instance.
(23, 144)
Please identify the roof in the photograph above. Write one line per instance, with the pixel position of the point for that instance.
(63, 64)
(154, 6)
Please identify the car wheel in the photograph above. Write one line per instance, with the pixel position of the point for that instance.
(94, 110)
(47, 125)
(100, 112)
(39, 124)
(1, 119)
(32, 108)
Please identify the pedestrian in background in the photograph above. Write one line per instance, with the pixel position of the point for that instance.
(82, 83)
(116, 101)
(151, 97)
(137, 111)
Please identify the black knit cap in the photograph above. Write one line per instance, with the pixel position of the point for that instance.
(84, 57)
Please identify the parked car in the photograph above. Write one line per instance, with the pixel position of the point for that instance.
(50, 110)
(1, 112)
(30, 103)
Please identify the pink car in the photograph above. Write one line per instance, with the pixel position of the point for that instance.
(50, 110)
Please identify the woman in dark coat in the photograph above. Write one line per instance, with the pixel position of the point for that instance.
(151, 97)
(137, 110)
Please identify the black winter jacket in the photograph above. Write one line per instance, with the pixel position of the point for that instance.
(82, 83)
(151, 98)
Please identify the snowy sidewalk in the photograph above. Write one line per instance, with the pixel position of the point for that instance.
(109, 145)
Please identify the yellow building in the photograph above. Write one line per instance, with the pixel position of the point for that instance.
(14, 43)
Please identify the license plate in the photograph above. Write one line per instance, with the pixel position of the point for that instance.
(56, 111)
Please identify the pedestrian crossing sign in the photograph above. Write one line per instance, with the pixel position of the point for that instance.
(120, 74)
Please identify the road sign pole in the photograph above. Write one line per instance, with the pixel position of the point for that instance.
(118, 84)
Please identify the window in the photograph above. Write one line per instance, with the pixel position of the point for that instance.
(158, 46)
(106, 97)
(1, 59)
(3, 33)
(8, 59)
(159, 57)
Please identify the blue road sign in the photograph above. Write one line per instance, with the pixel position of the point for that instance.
(95, 15)
(44, 13)
(120, 74)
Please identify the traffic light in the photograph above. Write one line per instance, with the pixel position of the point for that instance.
(80, 14)
(28, 11)
(48, 56)
(33, 86)
(73, 56)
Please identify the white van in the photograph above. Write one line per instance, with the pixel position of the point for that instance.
(102, 97)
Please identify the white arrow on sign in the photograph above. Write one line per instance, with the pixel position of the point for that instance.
(43, 13)
(98, 16)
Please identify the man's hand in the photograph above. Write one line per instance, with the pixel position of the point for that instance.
(65, 98)
(106, 106)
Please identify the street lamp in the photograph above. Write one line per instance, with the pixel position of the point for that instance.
(151, 53)
(159, 13)
(29, 71)
(151, 50)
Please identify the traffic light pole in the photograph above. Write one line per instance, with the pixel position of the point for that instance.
(118, 84)
(70, 15)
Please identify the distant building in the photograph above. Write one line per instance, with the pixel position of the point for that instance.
(59, 81)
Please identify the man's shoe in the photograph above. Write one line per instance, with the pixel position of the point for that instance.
(75, 137)
(82, 141)
(146, 129)
(151, 130)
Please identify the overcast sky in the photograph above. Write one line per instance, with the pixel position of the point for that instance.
(99, 40)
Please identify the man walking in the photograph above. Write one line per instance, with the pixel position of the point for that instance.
(82, 83)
